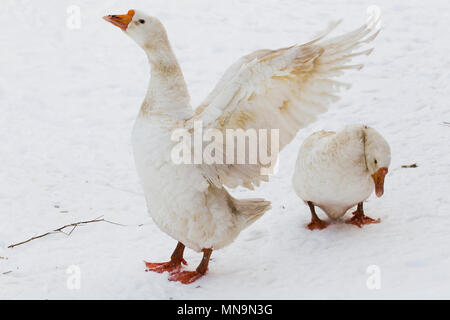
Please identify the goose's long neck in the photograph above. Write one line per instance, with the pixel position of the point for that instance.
(167, 93)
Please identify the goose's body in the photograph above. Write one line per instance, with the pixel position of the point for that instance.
(202, 215)
(333, 171)
(282, 89)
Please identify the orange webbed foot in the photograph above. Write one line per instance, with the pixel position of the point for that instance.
(186, 277)
(359, 219)
(317, 224)
(160, 267)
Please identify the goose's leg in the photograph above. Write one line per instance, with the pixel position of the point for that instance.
(186, 277)
(315, 223)
(360, 219)
(174, 265)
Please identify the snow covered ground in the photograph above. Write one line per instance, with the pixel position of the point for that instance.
(68, 99)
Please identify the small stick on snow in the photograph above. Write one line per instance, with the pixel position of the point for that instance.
(74, 225)
(414, 165)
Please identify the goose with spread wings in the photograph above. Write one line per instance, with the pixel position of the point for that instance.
(284, 89)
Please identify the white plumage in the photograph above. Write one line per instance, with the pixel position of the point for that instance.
(335, 171)
(179, 198)
(281, 89)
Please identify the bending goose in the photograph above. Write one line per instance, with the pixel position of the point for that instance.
(336, 171)
(281, 89)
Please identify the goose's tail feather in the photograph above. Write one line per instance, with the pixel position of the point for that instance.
(248, 211)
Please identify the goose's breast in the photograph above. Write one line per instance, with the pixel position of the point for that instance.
(169, 187)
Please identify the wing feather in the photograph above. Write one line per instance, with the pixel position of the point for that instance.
(283, 89)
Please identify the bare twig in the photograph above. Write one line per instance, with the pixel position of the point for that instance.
(74, 225)
(72, 230)
(117, 224)
(414, 165)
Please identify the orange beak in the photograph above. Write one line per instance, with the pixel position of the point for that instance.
(122, 21)
(378, 179)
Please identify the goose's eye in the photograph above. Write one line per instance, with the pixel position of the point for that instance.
(375, 161)
(142, 21)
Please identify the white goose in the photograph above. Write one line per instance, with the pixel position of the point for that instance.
(336, 171)
(283, 89)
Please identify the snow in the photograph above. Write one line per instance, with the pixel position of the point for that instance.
(68, 101)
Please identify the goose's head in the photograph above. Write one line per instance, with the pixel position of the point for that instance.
(145, 30)
(378, 157)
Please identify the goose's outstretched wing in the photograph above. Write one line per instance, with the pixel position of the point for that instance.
(281, 89)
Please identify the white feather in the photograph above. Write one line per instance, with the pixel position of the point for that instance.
(283, 89)
(331, 169)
